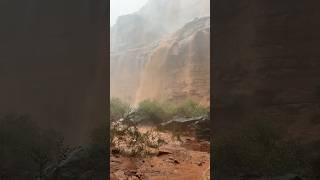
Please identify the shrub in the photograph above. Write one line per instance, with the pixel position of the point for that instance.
(118, 109)
(191, 109)
(128, 140)
(153, 112)
(157, 112)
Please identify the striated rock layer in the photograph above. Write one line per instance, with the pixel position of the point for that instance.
(162, 52)
(179, 68)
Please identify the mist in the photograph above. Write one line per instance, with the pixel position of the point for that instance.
(162, 33)
(123, 7)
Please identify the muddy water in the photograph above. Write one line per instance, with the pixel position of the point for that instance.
(186, 160)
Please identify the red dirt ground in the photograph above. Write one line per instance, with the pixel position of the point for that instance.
(186, 160)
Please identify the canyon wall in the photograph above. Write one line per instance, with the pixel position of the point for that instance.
(266, 63)
(162, 52)
(179, 68)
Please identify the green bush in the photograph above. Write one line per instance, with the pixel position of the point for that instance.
(157, 112)
(128, 140)
(118, 109)
(190, 108)
(153, 112)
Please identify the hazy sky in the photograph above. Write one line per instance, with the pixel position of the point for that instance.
(122, 7)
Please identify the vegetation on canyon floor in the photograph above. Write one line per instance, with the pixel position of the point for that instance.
(151, 111)
(125, 137)
(252, 147)
(256, 146)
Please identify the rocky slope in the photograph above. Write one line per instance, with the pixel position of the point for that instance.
(162, 52)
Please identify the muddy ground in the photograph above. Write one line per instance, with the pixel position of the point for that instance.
(188, 159)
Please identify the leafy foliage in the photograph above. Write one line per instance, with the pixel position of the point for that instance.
(157, 112)
(152, 111)
(191, 109)
(118, 109)
(128, 140)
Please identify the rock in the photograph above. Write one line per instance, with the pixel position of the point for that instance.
(201, 163)
(133, 178)
(115, 151)
(174, 160)
(113, 177)
(120, 175)
(185, 122)
(161, 153)
(136, 55)
(199, 125)
(77, 165)
(181, 120)
(133, 175)
(130, 173)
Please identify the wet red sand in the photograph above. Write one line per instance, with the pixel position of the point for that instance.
(187, 160)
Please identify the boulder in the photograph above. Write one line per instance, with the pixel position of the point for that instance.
(78, 165)
(199, 125)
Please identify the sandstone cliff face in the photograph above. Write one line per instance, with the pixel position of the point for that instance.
(266, 63)
(125, 71)
(179, 67)
(172, 15)
(155, 20)
(134, 31)
(156, 54)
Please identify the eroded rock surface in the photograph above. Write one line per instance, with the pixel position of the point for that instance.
(162, 52)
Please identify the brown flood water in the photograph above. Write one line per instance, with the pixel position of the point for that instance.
(186, 160)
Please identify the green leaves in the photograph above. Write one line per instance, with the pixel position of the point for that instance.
(158, 112)
(190, 108)
(118, 109)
